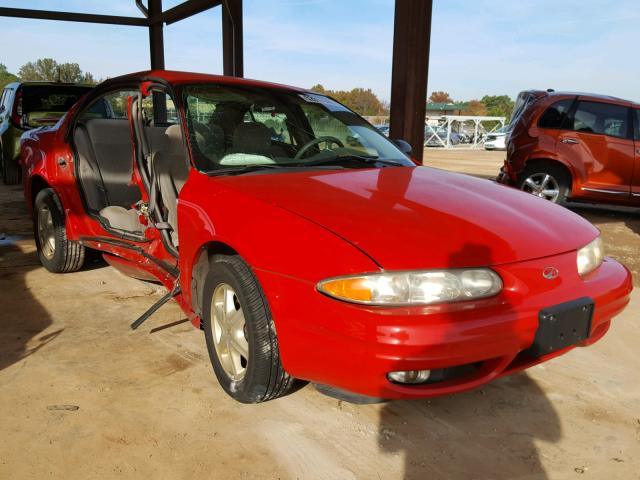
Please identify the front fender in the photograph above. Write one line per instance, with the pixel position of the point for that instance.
(267, 237)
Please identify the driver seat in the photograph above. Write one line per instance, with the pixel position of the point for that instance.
(170, 172)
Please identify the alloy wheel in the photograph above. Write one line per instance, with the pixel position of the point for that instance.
(542, 185)
(229, 332)
(46, 232)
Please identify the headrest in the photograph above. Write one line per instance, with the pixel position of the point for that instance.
(173, 144)
(251, 137)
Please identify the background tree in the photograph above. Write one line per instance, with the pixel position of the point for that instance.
(360, 100)
(47, 69)
(475, 107)
(498, 105)
(440, 97)
(6, 76)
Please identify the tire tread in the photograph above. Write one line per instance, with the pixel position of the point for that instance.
(278, 382)
(70, 255)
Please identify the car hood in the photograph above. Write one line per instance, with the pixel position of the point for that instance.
(412, 218)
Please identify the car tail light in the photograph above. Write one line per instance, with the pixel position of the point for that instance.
(16, 115)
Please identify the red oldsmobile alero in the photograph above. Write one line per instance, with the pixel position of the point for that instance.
(308, 246)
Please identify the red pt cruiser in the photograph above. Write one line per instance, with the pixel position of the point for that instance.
(307, 245)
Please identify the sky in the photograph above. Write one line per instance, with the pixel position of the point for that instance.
(478, 47)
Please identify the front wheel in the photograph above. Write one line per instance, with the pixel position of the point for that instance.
(240, 333)
(57, 254)
(546, 181)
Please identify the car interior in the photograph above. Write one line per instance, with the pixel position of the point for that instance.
(231, 128)
(104, 146)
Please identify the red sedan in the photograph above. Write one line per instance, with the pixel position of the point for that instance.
(307, 245)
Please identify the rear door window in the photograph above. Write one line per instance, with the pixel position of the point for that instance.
(555, 116)
(601, 118)
(636, 121)
(6, 100)
(113, 105)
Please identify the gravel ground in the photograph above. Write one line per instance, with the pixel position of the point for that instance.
(82, 396)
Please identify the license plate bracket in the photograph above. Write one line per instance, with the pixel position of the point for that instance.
(562, 325)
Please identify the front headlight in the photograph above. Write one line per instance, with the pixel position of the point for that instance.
(590, 257)
(414, 287)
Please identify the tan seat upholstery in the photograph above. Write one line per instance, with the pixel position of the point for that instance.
(122, 219)
(170, 169)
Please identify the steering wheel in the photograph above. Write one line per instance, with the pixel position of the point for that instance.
(327, 139)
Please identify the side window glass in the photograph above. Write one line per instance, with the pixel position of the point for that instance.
(110, 106)
(636, 121)
(164, 113)
(555, 115)
(601, 118)
(6, 100)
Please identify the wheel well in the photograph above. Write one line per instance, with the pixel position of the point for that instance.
(37, 184)
(538, 162)
(200, 271)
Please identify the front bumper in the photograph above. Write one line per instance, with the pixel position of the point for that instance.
(353, 347)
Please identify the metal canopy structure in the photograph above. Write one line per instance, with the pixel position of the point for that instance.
(412, 36)
(439, 129)
(155, 18)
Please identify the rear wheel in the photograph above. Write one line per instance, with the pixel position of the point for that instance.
(240, 333)
(547, 181)
(57, 254)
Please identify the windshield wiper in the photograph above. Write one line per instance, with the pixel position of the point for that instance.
(243, 169)
(351, 158)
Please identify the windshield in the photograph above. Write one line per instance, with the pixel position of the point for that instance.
(240, 127)
(50, 98)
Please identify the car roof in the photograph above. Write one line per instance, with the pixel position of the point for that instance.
(52, 84)
(182, 78)
(584, 95)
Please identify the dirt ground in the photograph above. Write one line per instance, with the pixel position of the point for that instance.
(82, 396)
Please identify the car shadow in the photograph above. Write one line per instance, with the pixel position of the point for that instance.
(23, 319)
(598, 213)
(489, 432)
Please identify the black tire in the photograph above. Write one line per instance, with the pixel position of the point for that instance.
(66, 255)
(263, 378)
(10, 170)
(558, 175)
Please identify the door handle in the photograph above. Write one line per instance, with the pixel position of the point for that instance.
(570, 141)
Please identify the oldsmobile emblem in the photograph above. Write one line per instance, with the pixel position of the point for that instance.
(550, 273)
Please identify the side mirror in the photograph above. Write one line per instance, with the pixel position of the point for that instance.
(404, 146)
